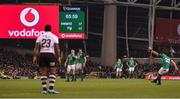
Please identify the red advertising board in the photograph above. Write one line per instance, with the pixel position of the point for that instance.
(163, 77)
(27, 21)
(167, 31)
(72, 36)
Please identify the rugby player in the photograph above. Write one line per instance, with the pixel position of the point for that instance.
(166, 61)
(131, 63)
(70, 63)
(47, 51)
(118, 67)
(81, 63)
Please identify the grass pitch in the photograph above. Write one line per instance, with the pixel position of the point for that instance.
(92, 88)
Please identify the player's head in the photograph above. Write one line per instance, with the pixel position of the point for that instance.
(119, 59)
(80, 50)
(131, 58)
(72, 51)
(47, 28)
(124, 56)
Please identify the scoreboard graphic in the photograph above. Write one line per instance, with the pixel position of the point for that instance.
(72, 23)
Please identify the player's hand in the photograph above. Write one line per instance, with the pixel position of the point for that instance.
(149, 49)
(176, 68)
(34, 60)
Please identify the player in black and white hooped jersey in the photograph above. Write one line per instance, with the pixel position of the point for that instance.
(47, 53)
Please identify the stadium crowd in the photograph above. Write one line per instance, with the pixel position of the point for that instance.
(140, 70)
(15, 65)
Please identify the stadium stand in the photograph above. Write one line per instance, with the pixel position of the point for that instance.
(15, 65)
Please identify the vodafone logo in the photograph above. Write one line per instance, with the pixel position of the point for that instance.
(63, 35)
(29, 17)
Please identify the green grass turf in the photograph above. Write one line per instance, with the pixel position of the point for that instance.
(92, 88)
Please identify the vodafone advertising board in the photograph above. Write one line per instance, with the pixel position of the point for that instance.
(27, 21)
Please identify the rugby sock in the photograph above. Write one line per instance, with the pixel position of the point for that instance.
(120, 75)
(130, 75)
(68, 75)
(76, 75)
(81, 74)
(44, 82)
(159, 78)
(52, 80)
(73, 77)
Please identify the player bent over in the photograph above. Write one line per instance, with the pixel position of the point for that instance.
(118, 66)
(131, 64)
(166, 61)
(81, 63)
(48, 51)
(70, 63)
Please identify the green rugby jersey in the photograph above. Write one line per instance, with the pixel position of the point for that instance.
(119, 64)
(131, 63)
(80, 58)
(71, 60)
(165, 61)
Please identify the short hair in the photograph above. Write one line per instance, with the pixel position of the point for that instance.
(47, 28)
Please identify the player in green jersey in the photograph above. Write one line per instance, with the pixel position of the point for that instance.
(118, 67)
(166, 61)
(131, 63)
(70, 63)
(81, 62)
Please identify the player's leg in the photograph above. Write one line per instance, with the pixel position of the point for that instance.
(130, 72)
(68, 72)
(52, 73)
(120, 73)
(43, 71)
(160, 73)
(73, 72)
(52, 77)
(117, 74)
(81, 72)
(158, 78)
(76, 71)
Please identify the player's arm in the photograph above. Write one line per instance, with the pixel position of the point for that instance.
(36, 52)
(85, 60)
(57, 52)
(74, 56)
(65, 63)
(122, 65)
(115, 66)
(153, 52)
(136, 63)
(127, 63)
(174, 64)
(57, 49)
